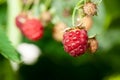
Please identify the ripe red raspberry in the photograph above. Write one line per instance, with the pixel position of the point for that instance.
(20, 19)
(75, 41)
(32, 29)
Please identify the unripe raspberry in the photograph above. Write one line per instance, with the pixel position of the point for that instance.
(90, 9)
(46, 16)
(92, 45)
(58, 31)
(75, 41)
(32, 29)
(85, 22)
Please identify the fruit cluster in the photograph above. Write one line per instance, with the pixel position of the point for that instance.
(75, 39)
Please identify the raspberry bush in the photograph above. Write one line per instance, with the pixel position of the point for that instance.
(53, 36)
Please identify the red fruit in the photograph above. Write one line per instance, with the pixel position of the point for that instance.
(75, 41)
(20, 19)
(32, 29)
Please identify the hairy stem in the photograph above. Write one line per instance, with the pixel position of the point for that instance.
(77, 6)
(14, 8)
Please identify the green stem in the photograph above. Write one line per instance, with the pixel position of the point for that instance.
(47, 4)
(73, 17)
(14, 8)
(26, 7)
(35, 8)
(77, 6)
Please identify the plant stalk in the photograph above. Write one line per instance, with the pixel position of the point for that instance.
(14, 8)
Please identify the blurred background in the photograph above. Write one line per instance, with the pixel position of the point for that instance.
(51, 61)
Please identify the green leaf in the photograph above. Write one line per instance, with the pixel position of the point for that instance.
(6, 49)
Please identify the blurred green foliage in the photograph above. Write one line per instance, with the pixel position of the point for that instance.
(6, 49)
(55, 64)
